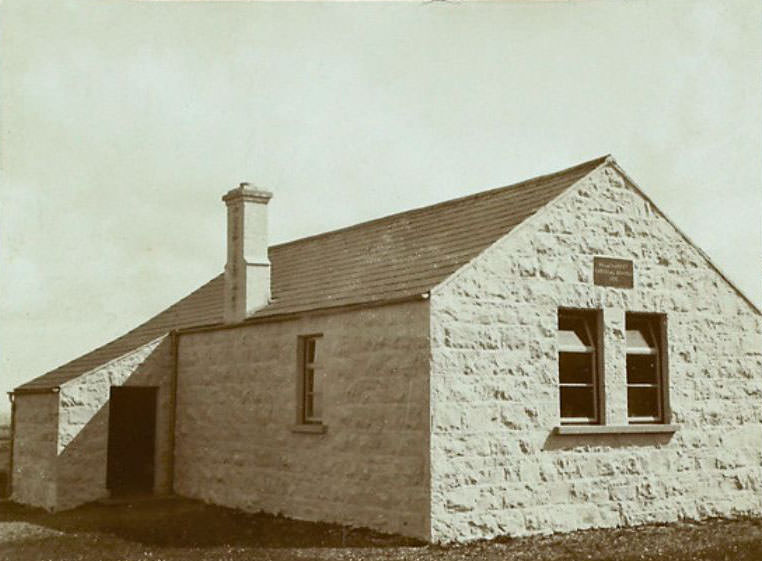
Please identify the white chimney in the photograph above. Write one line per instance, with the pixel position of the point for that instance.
(247, 272)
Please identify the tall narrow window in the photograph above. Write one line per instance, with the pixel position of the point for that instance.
(645, 401)
(578, 377)
(311, 407)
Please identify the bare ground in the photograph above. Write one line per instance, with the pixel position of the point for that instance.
(182, 529)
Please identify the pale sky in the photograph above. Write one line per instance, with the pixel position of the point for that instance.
(122, 124)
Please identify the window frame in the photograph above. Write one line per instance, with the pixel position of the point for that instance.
(657, 323)
(304, 367)
(589, 316)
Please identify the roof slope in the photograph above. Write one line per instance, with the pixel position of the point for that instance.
(392, 257)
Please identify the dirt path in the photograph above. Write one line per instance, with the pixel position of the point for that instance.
(180, 529)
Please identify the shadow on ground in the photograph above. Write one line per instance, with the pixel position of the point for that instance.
(178, 522)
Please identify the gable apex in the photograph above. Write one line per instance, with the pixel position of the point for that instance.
(609, 162)
(631, 182)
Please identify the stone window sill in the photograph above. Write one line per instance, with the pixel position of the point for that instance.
(311, 428)
(616, 429)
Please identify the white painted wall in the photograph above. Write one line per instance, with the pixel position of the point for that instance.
(496, 466)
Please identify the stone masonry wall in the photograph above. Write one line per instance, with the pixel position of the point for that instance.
(34, 449)
(84, 416)
(237, 405)
(497, 468)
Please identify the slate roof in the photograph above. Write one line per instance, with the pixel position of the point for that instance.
(373, 262)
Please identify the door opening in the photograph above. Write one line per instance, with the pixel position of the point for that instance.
(131, 440)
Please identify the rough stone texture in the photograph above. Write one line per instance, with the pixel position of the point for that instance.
(34, 449)
(496, 467)
(440, 414)
(83, 422)
(237, 404)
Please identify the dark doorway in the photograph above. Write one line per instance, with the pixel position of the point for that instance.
(131, 440)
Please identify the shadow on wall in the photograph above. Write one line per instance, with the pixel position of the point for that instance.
(84, 425)
(5, 454)
(176, 522)
(569, 442)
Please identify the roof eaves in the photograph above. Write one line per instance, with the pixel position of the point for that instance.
(21, 390)
(42, 387)
(317, 310)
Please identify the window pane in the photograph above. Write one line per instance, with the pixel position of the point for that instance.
(572, 331)
(317, 405)
(577, 402)
(310, 350)
(317, 392)
(641, 369)
(570, 340)
(575, 368)
(308, 406)
(309, 380)
(639, 340)
(641, 333)
(642, 402)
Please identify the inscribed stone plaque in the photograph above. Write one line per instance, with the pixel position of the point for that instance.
(612, 272)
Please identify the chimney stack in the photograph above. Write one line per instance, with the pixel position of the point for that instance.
(247, 272)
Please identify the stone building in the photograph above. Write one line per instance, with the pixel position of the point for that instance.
(548, 356)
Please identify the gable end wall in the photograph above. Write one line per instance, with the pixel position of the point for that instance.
(497, 468)
(34, 477)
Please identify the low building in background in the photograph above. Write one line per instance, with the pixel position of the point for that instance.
(548, 356)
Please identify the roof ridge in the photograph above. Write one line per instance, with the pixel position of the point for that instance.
(479, 194)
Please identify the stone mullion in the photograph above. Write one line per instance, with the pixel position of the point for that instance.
(614, 369)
